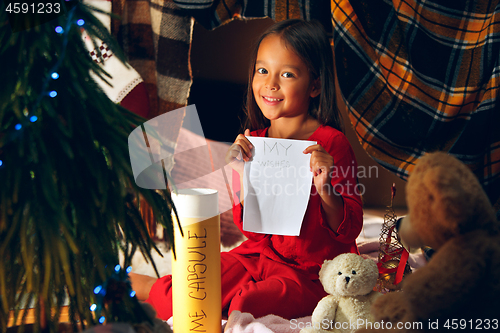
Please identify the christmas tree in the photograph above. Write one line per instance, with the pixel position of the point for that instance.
(68, 200)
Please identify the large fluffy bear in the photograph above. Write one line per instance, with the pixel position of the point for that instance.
(459, 288)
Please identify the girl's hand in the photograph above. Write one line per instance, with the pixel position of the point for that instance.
(321, 165)
(240, 150)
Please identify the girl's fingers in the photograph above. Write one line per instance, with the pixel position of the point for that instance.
(242, 151)
(245, 145)
(320, 159)
(318, 169)
(245, 139)
(233, 153)
(321, 162)
(313, 148)
(245, 150)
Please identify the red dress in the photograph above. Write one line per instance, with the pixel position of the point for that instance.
(274, 274)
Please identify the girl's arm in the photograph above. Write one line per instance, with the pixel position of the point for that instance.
(332, 203)
(142, 285)
(240, 152)
(339, 191)
(333, 206)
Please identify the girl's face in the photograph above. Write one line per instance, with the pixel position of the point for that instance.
(282, 85)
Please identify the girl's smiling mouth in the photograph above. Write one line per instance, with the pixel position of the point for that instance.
(271, 100)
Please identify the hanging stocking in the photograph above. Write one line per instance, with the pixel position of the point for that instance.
(128, 88)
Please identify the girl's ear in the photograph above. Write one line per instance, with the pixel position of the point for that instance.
(315, 88)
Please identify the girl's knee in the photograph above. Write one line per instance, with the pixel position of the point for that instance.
(275, 296)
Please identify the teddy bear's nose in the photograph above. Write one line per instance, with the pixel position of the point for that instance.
(347, 279)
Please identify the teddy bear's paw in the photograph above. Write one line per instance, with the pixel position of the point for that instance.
(389, 308)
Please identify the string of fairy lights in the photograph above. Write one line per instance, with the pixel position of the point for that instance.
(54, 75)
(119, 275)
(101, 290)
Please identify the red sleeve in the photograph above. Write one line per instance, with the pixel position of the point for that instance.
(345, 183)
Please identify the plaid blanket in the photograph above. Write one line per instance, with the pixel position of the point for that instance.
(156, 36)
(221, 12)
(421, 76)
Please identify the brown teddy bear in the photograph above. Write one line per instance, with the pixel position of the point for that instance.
(459, 288)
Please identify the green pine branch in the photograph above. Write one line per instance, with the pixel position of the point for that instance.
(68, 200)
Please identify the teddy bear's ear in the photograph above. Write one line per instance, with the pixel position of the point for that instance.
(372, 270)
(325, 268)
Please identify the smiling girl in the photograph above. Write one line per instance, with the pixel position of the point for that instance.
(291, 95)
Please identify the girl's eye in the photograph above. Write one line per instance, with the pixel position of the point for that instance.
(288, 74)
(261, 71)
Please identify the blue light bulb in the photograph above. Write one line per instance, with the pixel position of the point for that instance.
(59, 29)
(1, 162)
(53, 93)
(54, 75)
(18, 127)
(97, 289)
(33, 119)
(132, 294)
(80, 22)
(93, 307)
(129, 269)
(102, 319)
(117, 268)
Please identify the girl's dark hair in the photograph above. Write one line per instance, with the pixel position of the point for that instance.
(310, 42)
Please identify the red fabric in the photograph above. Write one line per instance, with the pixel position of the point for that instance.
(401, 267)
(273, 274)
(137, 100)
(252, 284)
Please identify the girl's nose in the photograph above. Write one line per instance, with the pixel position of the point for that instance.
(272, 85)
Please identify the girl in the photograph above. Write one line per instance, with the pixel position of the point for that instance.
(291, 95)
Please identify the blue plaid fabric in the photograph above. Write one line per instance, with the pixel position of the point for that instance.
(422, 76)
